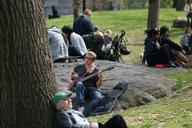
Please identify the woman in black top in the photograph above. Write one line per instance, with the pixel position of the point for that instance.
(154, 53)
(176, 50)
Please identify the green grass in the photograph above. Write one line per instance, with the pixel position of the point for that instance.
(174, 111)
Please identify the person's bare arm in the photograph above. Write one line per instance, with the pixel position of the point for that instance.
(100, 80)
(94, 125)
(71, 77)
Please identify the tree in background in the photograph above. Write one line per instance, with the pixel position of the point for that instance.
(153, 13)
(26, 78)
(174, 3)
(76, 8)
(84, 5)
(180, 5)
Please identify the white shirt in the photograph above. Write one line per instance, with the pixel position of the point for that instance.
(79, 117)
(187, 8)
(78, 42)
(57, 44)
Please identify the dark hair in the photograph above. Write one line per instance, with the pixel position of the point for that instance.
(67, 30)
(151, 32)
(164, 29)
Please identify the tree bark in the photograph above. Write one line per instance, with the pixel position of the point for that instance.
(26, 78)
(174, 3)
(153, 14)
(180, 5)
(84, 5)
(76, 9)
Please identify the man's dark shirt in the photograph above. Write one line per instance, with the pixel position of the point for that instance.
(82, 26)
(81, 71)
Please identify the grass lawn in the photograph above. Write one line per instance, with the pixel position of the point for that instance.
(174, 111)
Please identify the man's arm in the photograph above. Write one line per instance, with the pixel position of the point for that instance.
(65, 121)
(71, 77)
(100, 80)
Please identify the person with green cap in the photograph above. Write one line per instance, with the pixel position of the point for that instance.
(66, 117)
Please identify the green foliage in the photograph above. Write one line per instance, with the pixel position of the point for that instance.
(144, 3)
(134, 3)
(182, 78)
(166, 3)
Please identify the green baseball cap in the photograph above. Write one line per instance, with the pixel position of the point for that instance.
(60, 96)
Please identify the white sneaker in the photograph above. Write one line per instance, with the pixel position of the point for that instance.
(81, 109)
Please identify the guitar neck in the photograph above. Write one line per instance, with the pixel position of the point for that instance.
(94, 74)
(88, 77)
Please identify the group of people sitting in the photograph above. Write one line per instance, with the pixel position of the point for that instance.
(161, 51)
(76, 42)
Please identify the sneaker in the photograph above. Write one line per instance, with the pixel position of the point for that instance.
(81, 109)
(171, 65)
(177, 64)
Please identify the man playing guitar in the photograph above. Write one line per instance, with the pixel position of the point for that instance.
(88, 88)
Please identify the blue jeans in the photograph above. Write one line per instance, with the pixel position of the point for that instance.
(83, 92)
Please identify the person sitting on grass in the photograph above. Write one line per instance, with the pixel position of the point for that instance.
(76, 44)
(186, 41)
(177, 51)
(154, 53)
(66, 117)
(82, 25)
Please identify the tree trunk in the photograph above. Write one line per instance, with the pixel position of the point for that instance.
(94, 5)
(84, 5)
(76, 9)
(174, 3)
(26, 79)
(153, 14)
(180, 5)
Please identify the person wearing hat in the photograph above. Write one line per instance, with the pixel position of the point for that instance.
(177, 51)
(66, 117)
(154, 53)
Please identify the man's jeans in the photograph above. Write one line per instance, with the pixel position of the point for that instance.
(83, 92)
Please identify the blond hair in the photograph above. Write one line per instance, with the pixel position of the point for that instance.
(91, 53)
(87, 12)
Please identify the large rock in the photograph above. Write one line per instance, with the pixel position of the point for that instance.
(145, 84)
(180, 22)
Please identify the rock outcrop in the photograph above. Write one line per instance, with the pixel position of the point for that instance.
(146, 84)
